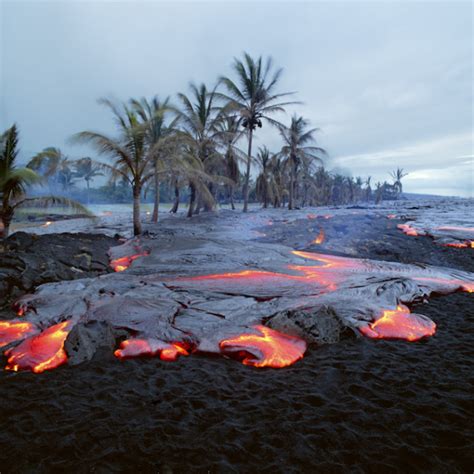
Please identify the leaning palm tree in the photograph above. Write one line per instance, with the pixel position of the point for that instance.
(13, 183)
(298, 152)
(397, 177)
(132, 158)
(254, 99)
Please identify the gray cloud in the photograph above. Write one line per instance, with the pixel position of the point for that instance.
(389, 83)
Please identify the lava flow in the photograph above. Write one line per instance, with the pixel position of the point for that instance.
(320, 238)
(11, 331)
(461, 245)
(122, 263)
(47, 224)
(400, 324)
(41, 352)
(406, 229)
(269, 348)
(151, 347)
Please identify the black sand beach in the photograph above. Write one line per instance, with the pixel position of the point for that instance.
(359, 405)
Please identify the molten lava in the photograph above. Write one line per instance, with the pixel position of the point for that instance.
(406, 229)
(453, 227)
(399, 324)
(151, 347)
(391, 216)
(320, 238)
(312, 216)
(461, 245)
(11, 331)
(47, 224)
(121, 264)
(269, 348)
(41, 352)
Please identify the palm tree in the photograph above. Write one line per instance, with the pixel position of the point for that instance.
(229, 134)
(52, 163)
(254, 99)
(368, 189)
(88, 170)
(132, 157)
(199, 118)
(158, 135)
(397, 177)
(297, 151)
(262, 186)
(13, 183)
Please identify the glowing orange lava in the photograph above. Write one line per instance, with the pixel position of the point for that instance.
(46, 224)
(11, 331)
(399, 324)
(407, 230)
(312, 216)
(269, 348)
(122, 263)
(168, 351)
(320, 238)
(392, 216)
(461, 245)
(41, 352)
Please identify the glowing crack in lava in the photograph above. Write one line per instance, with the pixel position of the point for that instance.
(406, 229)
(391, 216)
(312, 216)
(122, 263)
(269, 348)
(47, 224)
(458, 228)
(320, 238)
(41, 352)
(400, 324)
(11, 331)
(461, 245)
(168, 351)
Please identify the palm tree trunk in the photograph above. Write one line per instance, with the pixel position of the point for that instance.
(192, 199)
(247, 172)
(6, 216)
(174, 209)
(231, 195)
(137, 225)
(292, 186)
(154, 217)
(88, 189)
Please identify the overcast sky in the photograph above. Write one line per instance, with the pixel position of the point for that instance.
(388, 83)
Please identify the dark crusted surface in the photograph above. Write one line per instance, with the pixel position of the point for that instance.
(358, 405)
(28, 260)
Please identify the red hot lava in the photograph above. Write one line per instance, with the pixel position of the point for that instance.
(269, 348)
(151, 347)
(461, 245)
(406, 229)
(41, 352)
(11, 331)
(320, 238)
(400, 324)
(122, 263)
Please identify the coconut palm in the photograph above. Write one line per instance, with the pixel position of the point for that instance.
(158, 134)
(87, 169)
(263, 187)
(298, 152)
(199, 118)
(397, 177)
(53, 164)
(254, 100)
(132, 157)
(14, 181)
(229, 134)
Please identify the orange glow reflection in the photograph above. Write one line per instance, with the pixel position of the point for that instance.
(320, 238)
(269, 348)
(151, 347)
(11, 331)
(406, 229)
(122, 263)
(399, 324)
(41, 352)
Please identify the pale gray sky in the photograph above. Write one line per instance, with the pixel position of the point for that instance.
(388, 83)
